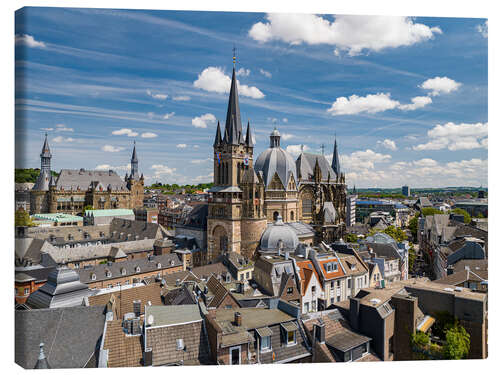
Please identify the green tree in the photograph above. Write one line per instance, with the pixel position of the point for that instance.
(480, 216)
(411, 257)
(460, 211)
(413, 225)
(351, 237)
(430, 211)
(397, 233)
(457, 344)
(22, 219)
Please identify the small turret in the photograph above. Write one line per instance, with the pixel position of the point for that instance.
(218, 138)
(248, 139)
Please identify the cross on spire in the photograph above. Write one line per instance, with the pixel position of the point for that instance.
(234, 55)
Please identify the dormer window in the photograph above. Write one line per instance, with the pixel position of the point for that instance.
(137, 269)
(108, 273)
(265, 338)
(158, 265)
(290, 333)
(124, 271)
(93, 276)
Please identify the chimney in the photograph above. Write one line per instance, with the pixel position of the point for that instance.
(147, 357)
(354, 312)
(137, 308)
(319, 332)
(237, 319)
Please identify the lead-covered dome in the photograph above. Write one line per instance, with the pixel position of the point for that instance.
(275, 160)
(279, 235)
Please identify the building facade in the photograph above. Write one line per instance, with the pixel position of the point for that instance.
(246, 196)
(75, 189)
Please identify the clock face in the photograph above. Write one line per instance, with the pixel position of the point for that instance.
(246, 160)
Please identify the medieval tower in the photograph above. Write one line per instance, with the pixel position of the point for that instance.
(236, 217)
(135, 183)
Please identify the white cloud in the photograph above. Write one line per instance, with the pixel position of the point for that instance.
(287, 136)
(125, 131)
(199, 161)
(285, 120)
(362, 160)
(196, 146)
(157, 96)
(456, 137)
(417, 102)
(349, 33)
(201, 121)
(388, 144)
(265, 73)
(181, 98)
(110, 148)
(296, 150)
(150, 115)
(168, 115)
(60, 139)
(422, 173)
(440, 85)
(483, 29)
(47, 129)
(214, 79)
(106, 167)
(208, 177)
(63, 128)
(181, 145)
(149, 135)
(160, 169)
(242, 72)
(29, 41)
(358, 104)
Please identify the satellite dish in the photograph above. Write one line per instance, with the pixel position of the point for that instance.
(151, 320)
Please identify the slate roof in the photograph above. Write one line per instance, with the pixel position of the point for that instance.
(28, 250)
(62, 289)
(197, 217)
(276, 232)
(276, 160)
(305, 167)
(217, 269)
(38, 274)
(460, 277)
(130, 267)
(233, 118)
(179, 296)
(218, 292)
(124, 299)
(70, 335)
(80, 178)
(284, 353)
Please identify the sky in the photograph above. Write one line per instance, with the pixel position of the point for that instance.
(405, 97)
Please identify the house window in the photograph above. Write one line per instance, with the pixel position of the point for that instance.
(127, 282)
(137, 269)
(124, 272)
(26, 291)
(108, 274)
(248, 275)
(265, 343)
(158, 265)
(93, 276)
(313, 305)
(313, 289)
(227, 307)
(110, 286)
(349, 283)
(242, 276)
(289, 290)
(235, 355)
(306, 307)
(290, 338)
(332, 284)
(365, 280)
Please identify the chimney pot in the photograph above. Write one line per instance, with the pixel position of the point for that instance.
(237, 319)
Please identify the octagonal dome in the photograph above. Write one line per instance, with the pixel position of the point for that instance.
(279, 235)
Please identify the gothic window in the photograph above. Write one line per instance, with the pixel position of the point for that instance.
(291, 216)
(306, 207)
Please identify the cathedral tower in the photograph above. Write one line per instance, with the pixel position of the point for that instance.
(135, 183)
(235, 213)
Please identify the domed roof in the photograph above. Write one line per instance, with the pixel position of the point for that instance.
(270, 240)
(276, 160)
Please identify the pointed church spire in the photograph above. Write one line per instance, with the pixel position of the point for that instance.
(42, 362)
(249, 138)
(134, 165)
(336, 159)
(45, 149)
(233, 111)
(218, 139)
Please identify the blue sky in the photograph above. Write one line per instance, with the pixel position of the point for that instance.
(406, 97)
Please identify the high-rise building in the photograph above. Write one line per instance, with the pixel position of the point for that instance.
(406, 191)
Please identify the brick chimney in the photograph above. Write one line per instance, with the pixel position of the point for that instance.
(237, 319)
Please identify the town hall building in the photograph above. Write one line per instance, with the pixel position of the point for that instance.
(74, 189)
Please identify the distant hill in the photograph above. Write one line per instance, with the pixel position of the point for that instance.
(29, 174)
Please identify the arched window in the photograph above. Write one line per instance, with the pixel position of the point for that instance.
(275, 215)
(291, 216)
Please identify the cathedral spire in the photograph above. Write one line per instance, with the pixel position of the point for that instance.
(134, 165)
(233, 111)
(218, 138)
(249, 139)
(45, 149)
(336, 159)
